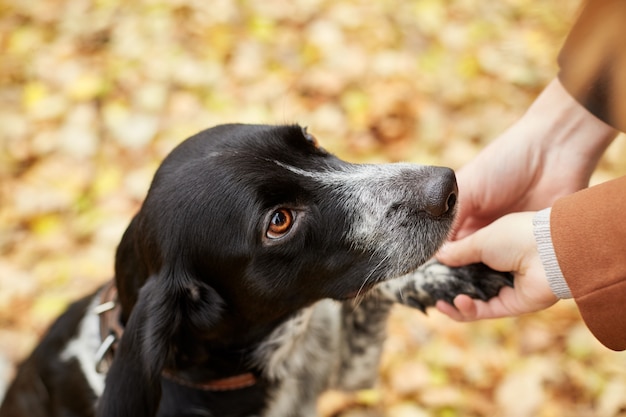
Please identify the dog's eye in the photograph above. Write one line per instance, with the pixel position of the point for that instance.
(281, 221)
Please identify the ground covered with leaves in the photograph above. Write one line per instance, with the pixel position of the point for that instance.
(94, 93)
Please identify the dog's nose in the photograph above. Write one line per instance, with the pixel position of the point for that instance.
(440, 192)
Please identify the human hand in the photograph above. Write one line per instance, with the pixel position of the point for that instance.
(549, 153)
(508, 244)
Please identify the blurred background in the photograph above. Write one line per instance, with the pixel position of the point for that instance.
(94, 93)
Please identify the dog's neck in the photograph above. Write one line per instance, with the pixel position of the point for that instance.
(229, 352)
(224, 364)
(235, 344)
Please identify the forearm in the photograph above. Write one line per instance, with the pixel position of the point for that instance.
(566, 130)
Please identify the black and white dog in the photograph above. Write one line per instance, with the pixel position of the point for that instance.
(256, 275)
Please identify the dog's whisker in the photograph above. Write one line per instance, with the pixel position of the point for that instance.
(360, 296)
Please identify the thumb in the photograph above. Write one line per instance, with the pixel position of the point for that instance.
(460, 252)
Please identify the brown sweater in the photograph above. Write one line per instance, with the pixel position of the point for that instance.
(588, 231)
(593, 61)
(588, 228)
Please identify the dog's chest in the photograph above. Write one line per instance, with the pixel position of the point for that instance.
(84, 346)
(299, 360)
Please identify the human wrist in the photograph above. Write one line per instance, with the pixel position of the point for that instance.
(554, 275)
(561, 124)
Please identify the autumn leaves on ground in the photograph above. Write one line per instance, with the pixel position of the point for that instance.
(94, 93)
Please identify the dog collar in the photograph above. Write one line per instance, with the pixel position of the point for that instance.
(111, 332)
(230, 383)
(111, 329)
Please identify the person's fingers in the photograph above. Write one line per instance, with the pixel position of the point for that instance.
(463, 309)
(449, 310)
(467, 306)
(465, 228)
(465, 207)
(496, 307)
(468, 309)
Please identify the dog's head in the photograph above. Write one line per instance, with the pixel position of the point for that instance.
(273, 222)
(245, 224)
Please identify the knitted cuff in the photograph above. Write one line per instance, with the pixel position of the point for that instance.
(558, 285)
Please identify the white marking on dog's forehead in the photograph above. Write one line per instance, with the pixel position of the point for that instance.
(354, 173)
(367, 193)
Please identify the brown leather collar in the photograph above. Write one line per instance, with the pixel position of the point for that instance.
(111, 331)
(223, 384)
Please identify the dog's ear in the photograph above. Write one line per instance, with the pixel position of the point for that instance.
(169, 306)
(131, 271)
(133, 386)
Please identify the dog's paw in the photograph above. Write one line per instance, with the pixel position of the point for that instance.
(434, 281)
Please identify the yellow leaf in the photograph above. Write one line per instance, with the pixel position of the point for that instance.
(49, 306)
(45, 224)
(86, 87)
(369, 397)
(24, 40)
(356, 103)
(34, 92)
(109, 179)
(468, 66)
(262, 28)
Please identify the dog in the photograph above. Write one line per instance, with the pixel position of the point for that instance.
(259, 272)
